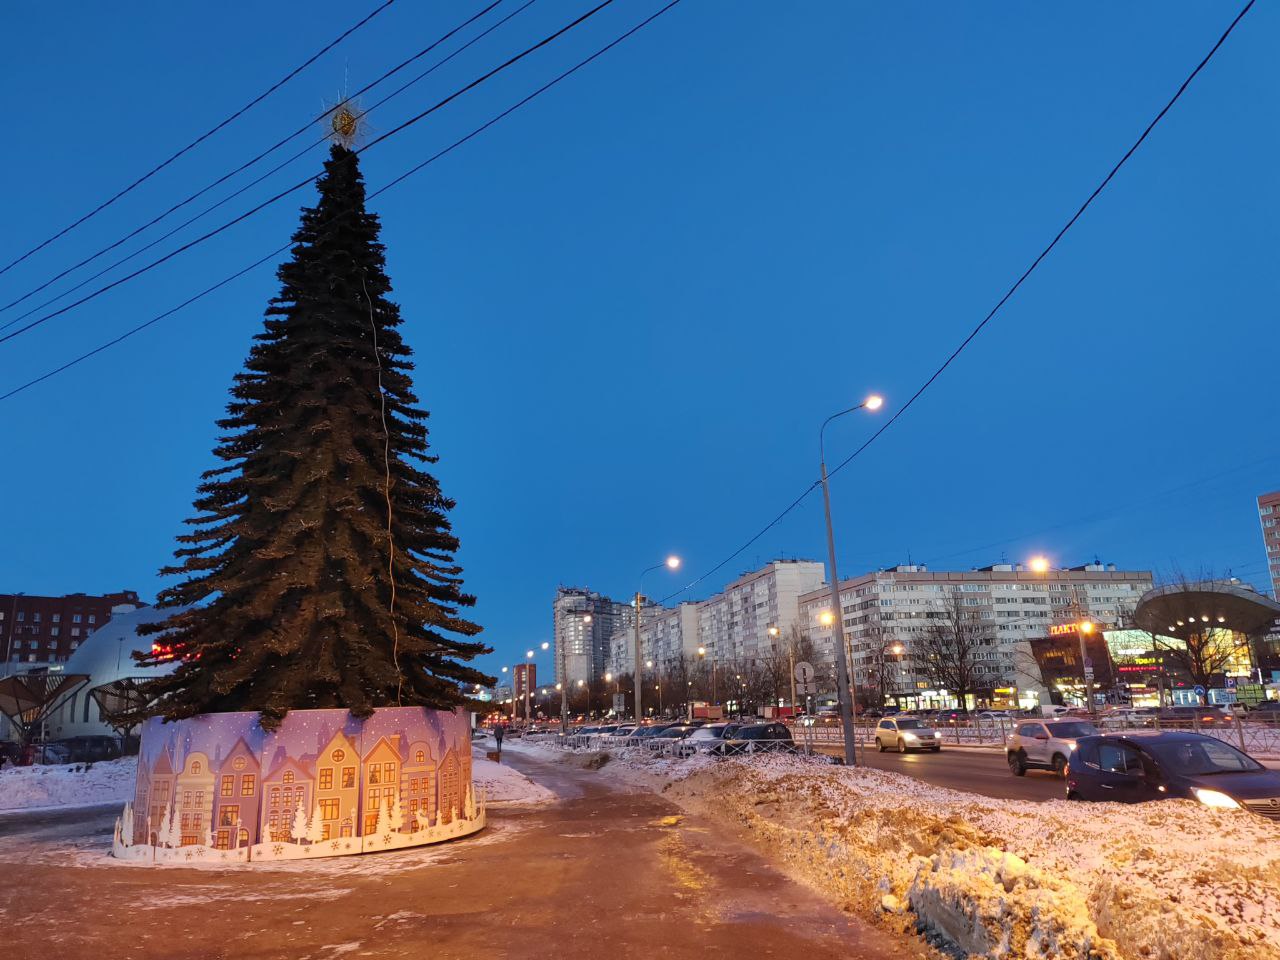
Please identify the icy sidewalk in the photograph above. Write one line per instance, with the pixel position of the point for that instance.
(70, 785)
(503, 785)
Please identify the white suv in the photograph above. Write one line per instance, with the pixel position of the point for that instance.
(1047, 744)
(906, 733)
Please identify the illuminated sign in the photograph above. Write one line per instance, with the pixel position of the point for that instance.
(1059, 629)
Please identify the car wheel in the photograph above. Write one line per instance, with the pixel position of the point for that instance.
(1018, 764)
(902, 746)
(1059, 765)
(879, 745)
(937, 748)
(1072, 795)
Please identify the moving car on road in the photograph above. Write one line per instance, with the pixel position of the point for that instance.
(1047, 744)
(1150, 765)
(906, 733)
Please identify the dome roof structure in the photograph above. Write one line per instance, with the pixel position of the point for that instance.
(106, 656)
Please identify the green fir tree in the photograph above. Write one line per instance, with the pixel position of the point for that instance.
(287, 593)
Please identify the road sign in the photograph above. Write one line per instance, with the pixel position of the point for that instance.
(804, 671)
(1198, 690)
(619, 703)
(806, 688)
(1231, 683)
(1088, 663)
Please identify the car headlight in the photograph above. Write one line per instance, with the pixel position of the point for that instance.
(1071, 744)
(937, 735)
(1214, 798)
(910, 736)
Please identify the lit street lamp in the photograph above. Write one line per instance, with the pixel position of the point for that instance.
(671, 563)
(872, 402)
(702, 652)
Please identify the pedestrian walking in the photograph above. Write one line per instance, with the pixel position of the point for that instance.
(498, 733)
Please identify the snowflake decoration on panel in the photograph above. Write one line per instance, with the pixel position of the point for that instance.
(345, 123)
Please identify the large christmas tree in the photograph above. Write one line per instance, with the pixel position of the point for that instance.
(320, 570)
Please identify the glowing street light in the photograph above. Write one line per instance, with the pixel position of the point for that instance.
(671, 563)
(843, 693)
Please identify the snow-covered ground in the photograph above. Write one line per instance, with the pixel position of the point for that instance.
(72, 785)
(999, 878)
(505, 786)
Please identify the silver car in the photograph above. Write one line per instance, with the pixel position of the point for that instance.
(906, 733)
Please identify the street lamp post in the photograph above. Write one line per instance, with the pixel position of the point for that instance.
(702, 652)
(671, 563)
(791, 660)
(842, 663)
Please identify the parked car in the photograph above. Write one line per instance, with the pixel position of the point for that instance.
(1163, 765)
(86, 749)
(622, 731)
(1047, 744)
(1204, 716)
(1268, 709)
(906, 733)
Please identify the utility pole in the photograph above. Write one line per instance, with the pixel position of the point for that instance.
(639, 677)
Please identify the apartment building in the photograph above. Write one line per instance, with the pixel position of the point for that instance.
(47, 630)
(1269, 515)
(735, 624)
(885, 614)
(584, 623)
(665, 637)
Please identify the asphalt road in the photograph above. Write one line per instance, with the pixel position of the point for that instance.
(603, 872)
(966, 768)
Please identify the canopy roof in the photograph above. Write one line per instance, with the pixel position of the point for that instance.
(1180, 608)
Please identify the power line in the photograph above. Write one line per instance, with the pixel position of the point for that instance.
(245, 166)
(257, 263)
(204, 136)
(309, 180)
(253, 183)
(994, 310)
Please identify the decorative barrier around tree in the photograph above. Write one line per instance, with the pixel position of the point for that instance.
(219, 788)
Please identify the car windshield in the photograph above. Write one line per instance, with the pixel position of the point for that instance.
(909, 723)
(708, 733)
(1070, 729)
(1203, 758)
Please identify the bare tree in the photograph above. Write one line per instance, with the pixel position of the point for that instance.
(951, 645)
(1193, 639)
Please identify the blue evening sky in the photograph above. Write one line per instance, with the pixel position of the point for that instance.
(634, 301)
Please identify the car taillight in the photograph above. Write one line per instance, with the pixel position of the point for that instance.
(1066, 771)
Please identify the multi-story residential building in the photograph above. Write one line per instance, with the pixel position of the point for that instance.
(1269, 514)
(665, 637)
(47, 630)
(584, 623)
(886, 614)
(736, 624)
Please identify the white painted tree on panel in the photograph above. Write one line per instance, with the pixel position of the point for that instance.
(384, 820)
(315, 830)
(395, 816)
(126, 825)
(299, 829)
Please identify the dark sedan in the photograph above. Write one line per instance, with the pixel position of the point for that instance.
(1133, 767)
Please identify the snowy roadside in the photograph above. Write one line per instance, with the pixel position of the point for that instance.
(505, 786)
(69, 785)
(997, 878)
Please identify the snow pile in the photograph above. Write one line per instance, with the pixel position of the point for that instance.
(1012, 879)
(72, 785)
(506, 786)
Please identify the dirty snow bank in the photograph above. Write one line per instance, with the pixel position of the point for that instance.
(504, 785)
(70, 785)
(1011, 879)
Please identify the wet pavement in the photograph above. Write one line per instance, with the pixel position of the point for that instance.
(602, 873)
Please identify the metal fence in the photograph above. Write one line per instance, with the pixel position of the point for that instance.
(1260, 738)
